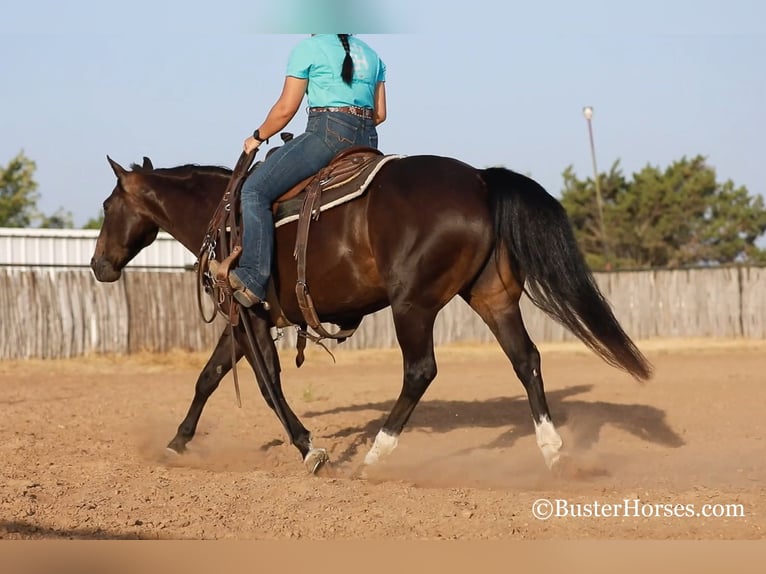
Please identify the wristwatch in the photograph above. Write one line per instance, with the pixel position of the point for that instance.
(257, 135)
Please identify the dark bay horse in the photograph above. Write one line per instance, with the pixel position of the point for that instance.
(429, 228)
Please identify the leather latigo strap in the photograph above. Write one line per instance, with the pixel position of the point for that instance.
(310, 210)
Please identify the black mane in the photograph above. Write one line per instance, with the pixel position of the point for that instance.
(185, 170)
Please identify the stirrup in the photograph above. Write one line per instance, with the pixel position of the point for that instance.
(247, 298)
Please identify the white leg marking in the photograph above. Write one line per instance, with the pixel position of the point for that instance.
(548, 440)
(384, 445)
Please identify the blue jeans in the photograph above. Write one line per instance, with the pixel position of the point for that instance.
(327, 133)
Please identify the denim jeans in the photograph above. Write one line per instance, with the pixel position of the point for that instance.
(327, 133)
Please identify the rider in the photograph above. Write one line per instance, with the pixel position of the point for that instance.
(345, 82)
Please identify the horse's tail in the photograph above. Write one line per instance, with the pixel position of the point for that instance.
(536, 231)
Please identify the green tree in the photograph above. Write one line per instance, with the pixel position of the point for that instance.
(60, 220)
(95, 222)
(18, 198)
(677, 217)
(579, 199)
(18, 192)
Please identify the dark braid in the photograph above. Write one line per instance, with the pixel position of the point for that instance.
(348, 64)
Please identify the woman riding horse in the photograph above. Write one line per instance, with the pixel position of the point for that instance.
(344, 80)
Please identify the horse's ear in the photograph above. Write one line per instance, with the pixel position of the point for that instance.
(118, 170)
(147, 163)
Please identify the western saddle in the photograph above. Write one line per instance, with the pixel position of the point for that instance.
(224, 238)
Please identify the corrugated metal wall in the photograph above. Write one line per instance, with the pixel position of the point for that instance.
(74, 247)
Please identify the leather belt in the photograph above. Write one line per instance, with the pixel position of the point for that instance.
(366, 113)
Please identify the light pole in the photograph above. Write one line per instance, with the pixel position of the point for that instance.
(588, 113)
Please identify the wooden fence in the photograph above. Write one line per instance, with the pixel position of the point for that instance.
(67, 313)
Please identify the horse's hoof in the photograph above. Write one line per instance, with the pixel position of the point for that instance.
(175, 448)
(315, 459)
(559, 466)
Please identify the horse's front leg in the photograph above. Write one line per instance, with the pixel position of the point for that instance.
(216, 368)
(312, 457)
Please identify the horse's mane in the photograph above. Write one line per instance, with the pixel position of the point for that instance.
(185, 170)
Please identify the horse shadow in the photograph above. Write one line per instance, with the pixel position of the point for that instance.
(583, 419)
(31, 530)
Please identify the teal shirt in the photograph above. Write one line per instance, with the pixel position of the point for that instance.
(319, 59)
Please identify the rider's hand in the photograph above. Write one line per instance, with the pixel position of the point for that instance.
(251, 144)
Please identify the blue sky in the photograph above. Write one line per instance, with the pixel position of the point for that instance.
(490, 83)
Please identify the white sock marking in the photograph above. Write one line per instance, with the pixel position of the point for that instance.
(384, 445)
(548, 440)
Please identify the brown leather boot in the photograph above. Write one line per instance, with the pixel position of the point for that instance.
(241, 293)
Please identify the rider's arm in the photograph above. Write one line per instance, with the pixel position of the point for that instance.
(380, 103)
(284, 110)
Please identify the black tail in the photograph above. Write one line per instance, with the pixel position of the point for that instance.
(534, 227)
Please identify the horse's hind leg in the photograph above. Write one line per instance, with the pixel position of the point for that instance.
(216, 368)
(414, 331)
(497, 302)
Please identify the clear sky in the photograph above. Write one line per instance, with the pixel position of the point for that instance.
(487, 82)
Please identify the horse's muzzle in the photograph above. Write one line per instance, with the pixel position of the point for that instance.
(104, 270)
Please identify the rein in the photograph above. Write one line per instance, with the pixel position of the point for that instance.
(223, 233)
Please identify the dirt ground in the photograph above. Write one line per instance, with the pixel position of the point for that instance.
(82, 449)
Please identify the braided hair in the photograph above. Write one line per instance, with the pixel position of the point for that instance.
(347, 73)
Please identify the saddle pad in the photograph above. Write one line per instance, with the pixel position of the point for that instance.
(288, 211)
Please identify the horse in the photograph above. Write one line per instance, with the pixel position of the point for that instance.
(428, 229)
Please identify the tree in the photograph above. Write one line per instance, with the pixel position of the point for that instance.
(18, 198)
(60, 220)
(18, 192)
(95, 222)
(579, 199)
(677, 217)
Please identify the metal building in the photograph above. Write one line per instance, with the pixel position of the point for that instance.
(33, 248)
